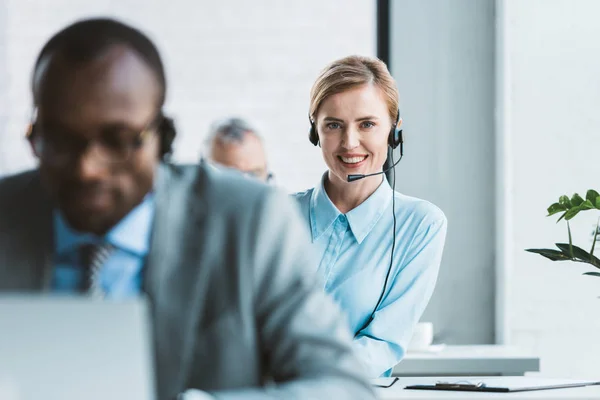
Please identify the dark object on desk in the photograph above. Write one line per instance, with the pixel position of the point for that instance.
(483, 387)
(386, 385)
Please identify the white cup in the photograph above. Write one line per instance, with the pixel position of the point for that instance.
(422, 337)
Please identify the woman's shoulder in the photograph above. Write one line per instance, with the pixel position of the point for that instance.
(418, 209)
(303, 197)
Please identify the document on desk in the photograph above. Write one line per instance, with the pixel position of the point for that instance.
(502, 385)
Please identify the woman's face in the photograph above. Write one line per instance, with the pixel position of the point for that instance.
(353, 128)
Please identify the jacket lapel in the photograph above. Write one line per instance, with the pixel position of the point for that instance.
(173, 280)
(30, 249)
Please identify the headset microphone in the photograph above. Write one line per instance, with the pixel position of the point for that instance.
(357, 177)
(352, 178)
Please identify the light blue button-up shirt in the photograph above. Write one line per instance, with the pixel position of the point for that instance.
(354, 251)
(121, 275)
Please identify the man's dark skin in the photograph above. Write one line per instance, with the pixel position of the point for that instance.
(111, 98)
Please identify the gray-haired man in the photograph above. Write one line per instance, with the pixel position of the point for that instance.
(234, 143)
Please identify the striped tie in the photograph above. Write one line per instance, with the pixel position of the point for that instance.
(93, 257)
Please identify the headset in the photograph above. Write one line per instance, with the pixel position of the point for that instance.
(395, 139)
(167, 132)
(165, 127)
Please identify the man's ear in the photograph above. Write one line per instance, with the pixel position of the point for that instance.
(29, 135)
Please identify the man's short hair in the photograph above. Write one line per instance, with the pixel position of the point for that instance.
(88, 39)
(229, 130)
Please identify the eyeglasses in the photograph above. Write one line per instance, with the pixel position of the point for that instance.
(58, 149)
(258, 175)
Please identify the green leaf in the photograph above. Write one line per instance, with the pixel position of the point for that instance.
(564, 200)
(551, 254)
(592, 195)
(598, 202)
(592, 274)
(556, 208)
(586, 205)
(579, 254)
(576, 200)
(572, 213)
(561, 217)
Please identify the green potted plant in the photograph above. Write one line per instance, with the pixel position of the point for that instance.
(568, 251)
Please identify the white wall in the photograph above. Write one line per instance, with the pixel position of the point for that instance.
(545, 64)
(550, 97)
(256, 59)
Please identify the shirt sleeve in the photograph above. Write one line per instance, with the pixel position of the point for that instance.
(382, 343)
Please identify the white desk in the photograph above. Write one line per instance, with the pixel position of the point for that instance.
(397, 392)
(487, 360)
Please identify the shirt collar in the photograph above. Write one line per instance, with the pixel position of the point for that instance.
(322, 211)
(361, 219)
(131, 234)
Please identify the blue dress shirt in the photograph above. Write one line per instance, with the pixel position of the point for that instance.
(354, 251)
(121, 275)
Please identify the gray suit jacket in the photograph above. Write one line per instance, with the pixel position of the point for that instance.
(228, 278)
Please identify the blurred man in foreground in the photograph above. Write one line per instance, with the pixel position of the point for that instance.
(224, 261)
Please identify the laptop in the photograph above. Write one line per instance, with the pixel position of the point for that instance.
(67, 348)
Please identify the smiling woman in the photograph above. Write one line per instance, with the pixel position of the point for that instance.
(379, 250)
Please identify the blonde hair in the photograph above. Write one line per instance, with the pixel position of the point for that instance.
(350, 72)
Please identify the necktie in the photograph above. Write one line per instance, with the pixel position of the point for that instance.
(93, 257)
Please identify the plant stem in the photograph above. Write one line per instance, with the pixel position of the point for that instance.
(594, 242)
(570, 241)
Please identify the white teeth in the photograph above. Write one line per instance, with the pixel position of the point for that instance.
(353, 160)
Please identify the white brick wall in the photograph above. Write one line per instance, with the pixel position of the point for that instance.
(552, 97)
(256, 59)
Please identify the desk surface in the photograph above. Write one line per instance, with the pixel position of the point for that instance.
(397, 392)
(469, 360)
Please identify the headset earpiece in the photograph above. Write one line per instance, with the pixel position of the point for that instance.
(167, 132)
(313, 136)
(395, 138)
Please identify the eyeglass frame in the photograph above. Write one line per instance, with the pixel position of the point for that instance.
(132, 147)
